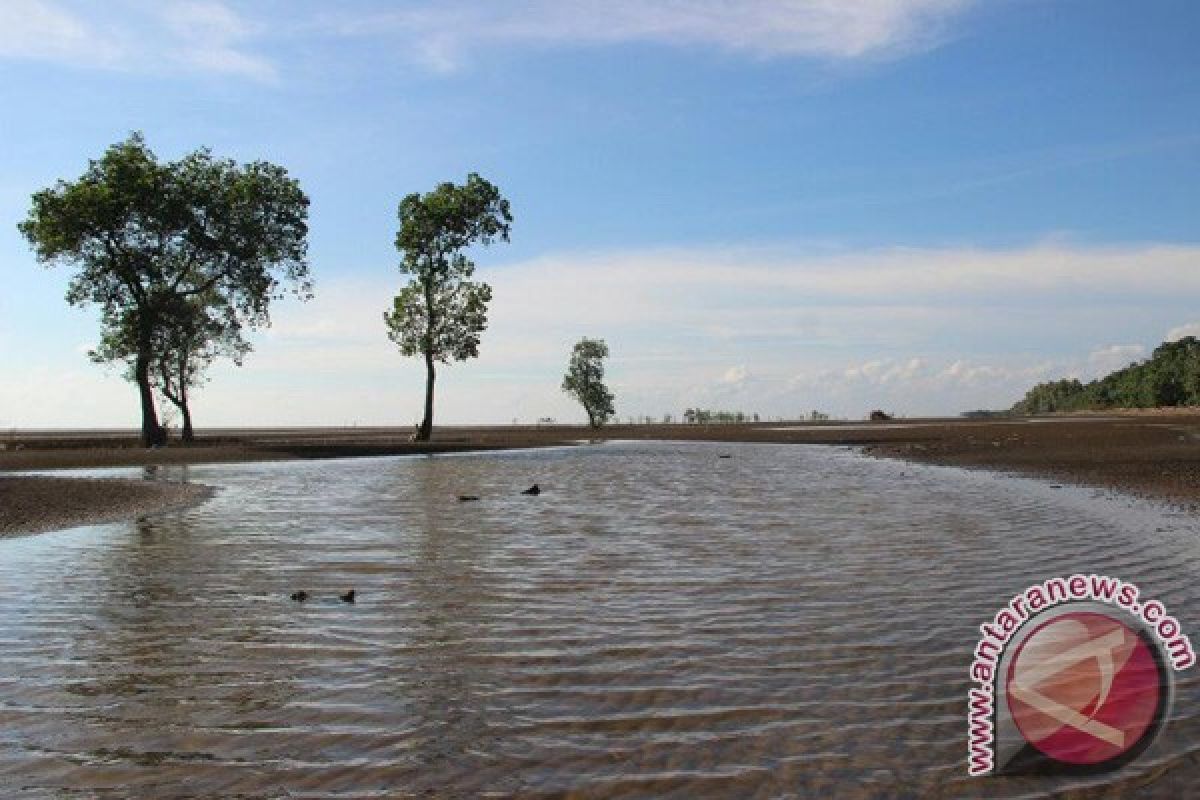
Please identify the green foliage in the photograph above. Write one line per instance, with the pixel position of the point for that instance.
(150, 240)
(1064, 395)
(141, 231)
(1170, 377)
(441, 313)
(191, 337)
(585, 380)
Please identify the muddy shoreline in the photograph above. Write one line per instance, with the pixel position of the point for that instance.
(35, 504)
(1153, 455)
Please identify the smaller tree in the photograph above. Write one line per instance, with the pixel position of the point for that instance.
(195, 332)
(585, 380)
(441, 313)
(191, 343)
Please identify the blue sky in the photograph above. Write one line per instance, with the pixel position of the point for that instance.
(921, 205)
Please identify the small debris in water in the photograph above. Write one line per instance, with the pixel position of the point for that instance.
(467, 498)
(300, 596)
(532, 490)
(348, 597)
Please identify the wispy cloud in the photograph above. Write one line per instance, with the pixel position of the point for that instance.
(1177, 333)
(759, 329)
(211, 37)
(909, 385)
(216, 37)
(931, 331)
(176, 36)
(443, 33)
(1104, 360)
(44, 31)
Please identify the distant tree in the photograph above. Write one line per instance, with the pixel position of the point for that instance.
(441, 313)
(150, 239)
(1170, 377)
(1064, 395)
(585, 380)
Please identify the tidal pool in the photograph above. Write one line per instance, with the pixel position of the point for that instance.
(793, 621)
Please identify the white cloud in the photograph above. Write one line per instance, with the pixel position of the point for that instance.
(969, 374)
(725, 327)
(735, 375)
(133, 35)
(41, 30)
(1190, 329)
(443, 32)
(882, 371)
(1107, 359)
(681, 282)
(913, 331)
(209, 35)
(914, 386)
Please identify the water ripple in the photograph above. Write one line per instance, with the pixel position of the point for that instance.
(791, 622)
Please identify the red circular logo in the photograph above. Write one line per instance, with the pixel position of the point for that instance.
(1084, 688)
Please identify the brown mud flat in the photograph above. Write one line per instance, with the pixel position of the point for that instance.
(1156, 455)
(30, 504)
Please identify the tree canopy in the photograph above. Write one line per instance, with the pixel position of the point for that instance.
(585, 380)
(441, 314)
(1170, 377)
(151, 240)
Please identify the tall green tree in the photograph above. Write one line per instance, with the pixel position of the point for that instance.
(441, 313)
(585, 380)
(150, 238)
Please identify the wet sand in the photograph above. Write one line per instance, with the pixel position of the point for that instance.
(1154, 455)
(30, 504)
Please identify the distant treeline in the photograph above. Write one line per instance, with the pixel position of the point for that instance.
(704, 416)
(1170, 377)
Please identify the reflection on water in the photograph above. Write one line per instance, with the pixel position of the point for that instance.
(794, 621)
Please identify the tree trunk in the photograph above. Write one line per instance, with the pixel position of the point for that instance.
(153, 434)
(426, 429)
(189, 435)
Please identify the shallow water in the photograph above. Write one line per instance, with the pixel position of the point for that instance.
(794, 621)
